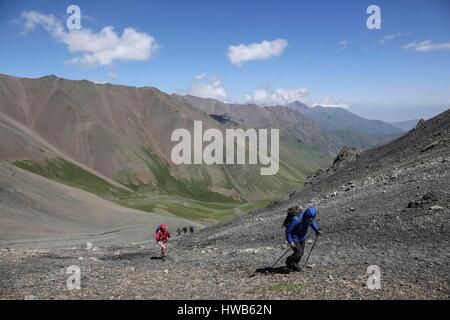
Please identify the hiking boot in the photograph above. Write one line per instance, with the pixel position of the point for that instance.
(293, 268)
(287, 270)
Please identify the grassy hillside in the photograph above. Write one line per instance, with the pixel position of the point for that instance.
(65, 172)
(297, 161)
(170, 196)
(363, 140)
(187, 198)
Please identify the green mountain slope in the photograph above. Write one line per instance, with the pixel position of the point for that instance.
(115, 141)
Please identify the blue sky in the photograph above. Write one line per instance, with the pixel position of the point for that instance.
(325, 54)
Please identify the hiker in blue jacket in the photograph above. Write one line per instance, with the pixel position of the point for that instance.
(296, 235)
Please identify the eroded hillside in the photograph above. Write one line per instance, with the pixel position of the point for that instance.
(387, 207)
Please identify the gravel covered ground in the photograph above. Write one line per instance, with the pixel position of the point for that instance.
(387, 207)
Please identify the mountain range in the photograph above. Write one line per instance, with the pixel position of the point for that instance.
(115, 141)
(405, 125)
(350, 128)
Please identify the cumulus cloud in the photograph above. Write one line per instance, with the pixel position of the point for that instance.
(427, 45)
(270, 97)
(330, 103)
(344, 44)
(95, 49)
(205, 86)
(242, 53)
(390, 37)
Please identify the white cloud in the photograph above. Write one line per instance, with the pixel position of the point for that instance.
(112, 73)
(269, 97)
(390, 37)
(344, 44)
(95, 49)
(205, 86)
(242, 53)
(330, 103)
(427, 45)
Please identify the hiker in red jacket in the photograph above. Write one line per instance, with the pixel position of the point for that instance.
(162, 234)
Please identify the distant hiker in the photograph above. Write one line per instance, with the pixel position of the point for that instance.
(296, 234)
(191, 229)
(184, 230)
(162, 235)
(179, 231)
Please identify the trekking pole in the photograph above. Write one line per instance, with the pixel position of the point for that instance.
(317, 237)
(280, 258)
